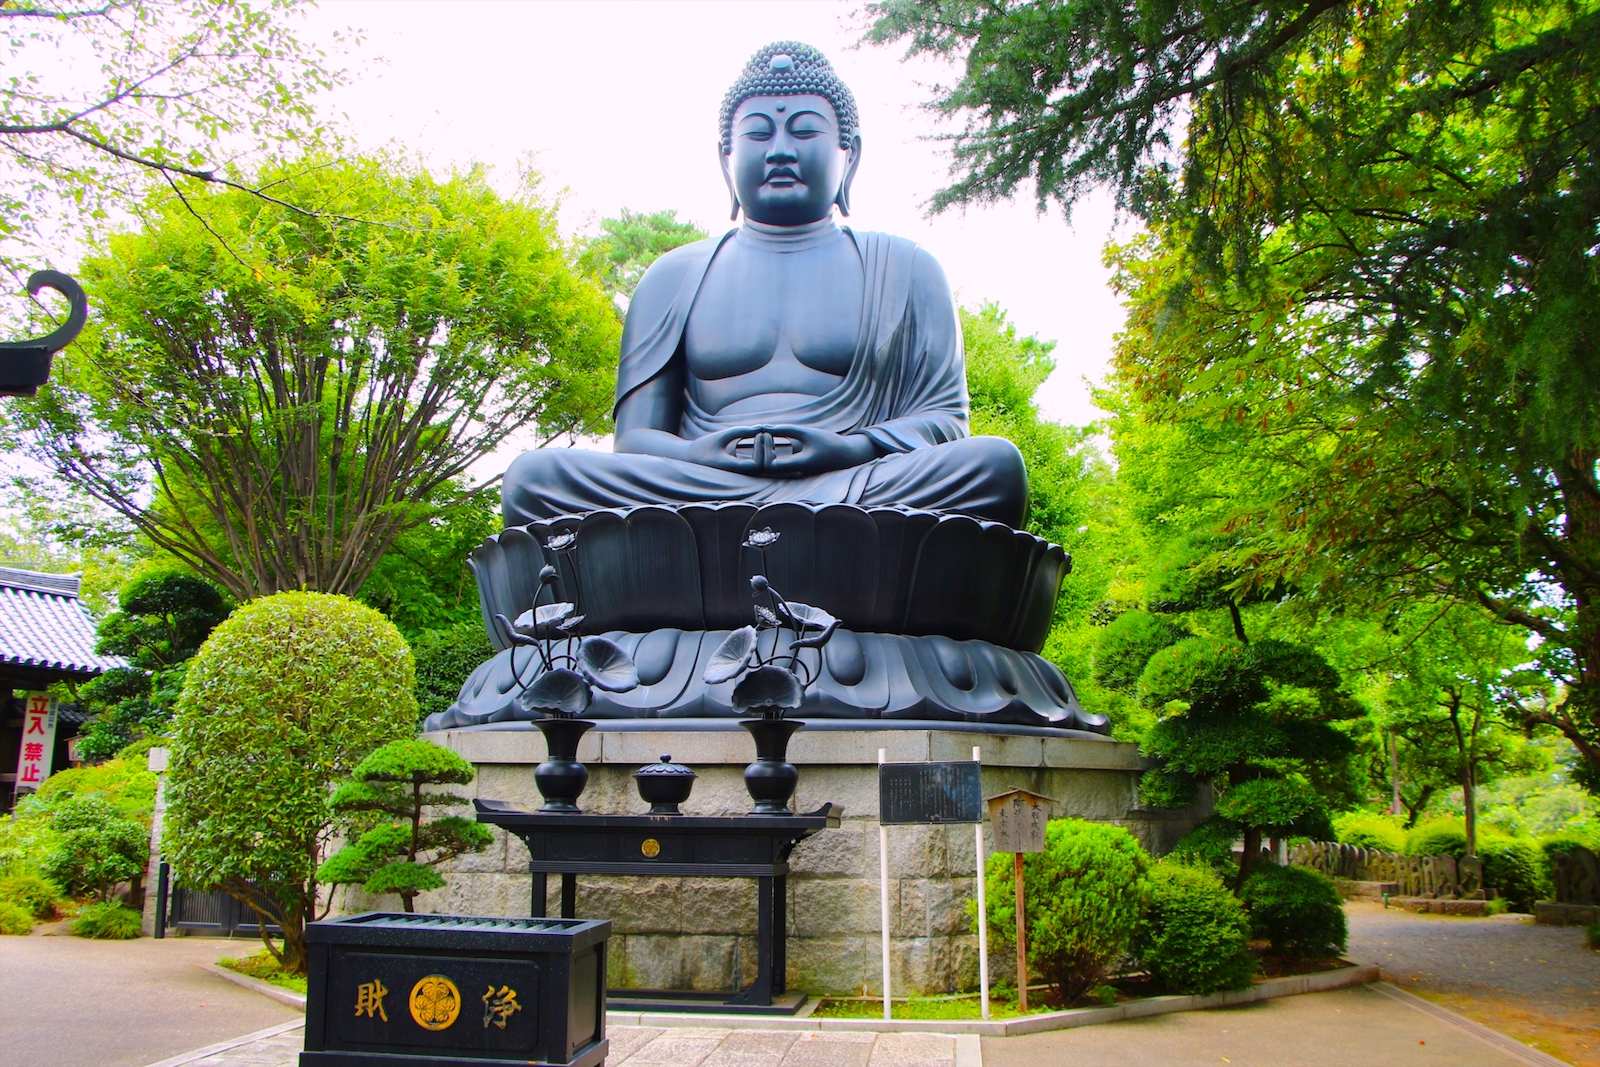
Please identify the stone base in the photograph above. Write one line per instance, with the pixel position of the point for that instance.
(1441, 906)
(1550, 913)
(700, 933)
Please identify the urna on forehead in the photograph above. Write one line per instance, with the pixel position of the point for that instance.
(789, 68)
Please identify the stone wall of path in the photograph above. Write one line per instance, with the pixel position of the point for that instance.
(700, 933)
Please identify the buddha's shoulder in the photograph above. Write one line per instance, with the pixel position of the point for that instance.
(924, 269)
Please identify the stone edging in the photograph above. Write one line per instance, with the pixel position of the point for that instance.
(1272, 988)
(256, 985)
(183, 1058)
(1509, 1045)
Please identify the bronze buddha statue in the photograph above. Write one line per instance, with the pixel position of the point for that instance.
(789, 359)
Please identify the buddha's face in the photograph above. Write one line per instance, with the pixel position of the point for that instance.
(786, 167)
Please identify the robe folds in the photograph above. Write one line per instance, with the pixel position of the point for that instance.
(905, 390)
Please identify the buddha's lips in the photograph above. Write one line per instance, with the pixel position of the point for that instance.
(782, 174)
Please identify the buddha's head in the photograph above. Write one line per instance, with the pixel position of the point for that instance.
(790, 144)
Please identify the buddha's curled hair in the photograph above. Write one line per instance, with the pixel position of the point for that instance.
(789, 68)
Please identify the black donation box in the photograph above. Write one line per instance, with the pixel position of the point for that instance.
(389, 989)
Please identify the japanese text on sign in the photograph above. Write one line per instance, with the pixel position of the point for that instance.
(38, 741)
(916, 793)
(1018, 820)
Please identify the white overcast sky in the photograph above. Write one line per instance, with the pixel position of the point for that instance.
(618, 101)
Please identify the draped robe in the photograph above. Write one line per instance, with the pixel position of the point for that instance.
(905, 390)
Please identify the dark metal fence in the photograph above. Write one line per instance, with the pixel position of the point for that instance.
(202, 912)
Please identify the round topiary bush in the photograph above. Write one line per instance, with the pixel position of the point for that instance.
(1082, 902)
(1515, 870)
(1296, 910)
(1438, 837)
(1194, 935)
(282, 700)
(1366, 829)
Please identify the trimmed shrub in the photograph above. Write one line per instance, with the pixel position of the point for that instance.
(282, 700)
(98, 849)
(15, 920)
(1594, 937)
(1210, 845)
(1514, 869)
(38, 896)
(445, 658)
(1565, 841)
(1082, 902)
(1194, 935)
(1439, 837)
(107, 921)
(1366, 829)
(1296, 910)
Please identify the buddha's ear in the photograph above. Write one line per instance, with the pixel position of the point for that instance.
(727, 176)
(853, 161)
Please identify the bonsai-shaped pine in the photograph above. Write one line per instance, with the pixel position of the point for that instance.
(398, 854)
(1253, 720)
(775, 682)
(572, 667)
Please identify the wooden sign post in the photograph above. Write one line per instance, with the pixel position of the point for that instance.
(1018, 819)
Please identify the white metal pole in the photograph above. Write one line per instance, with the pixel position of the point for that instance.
(883, 885)
(983, 912)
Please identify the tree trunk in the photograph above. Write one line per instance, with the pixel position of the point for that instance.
(1252, 853)
(1394, 774)
(1469, 803)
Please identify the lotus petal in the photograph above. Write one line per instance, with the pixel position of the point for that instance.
(558, 692)
(768, 687)
(805, 616)
(732, 656)
(603, 662)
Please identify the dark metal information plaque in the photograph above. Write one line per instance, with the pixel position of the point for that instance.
(912, 794)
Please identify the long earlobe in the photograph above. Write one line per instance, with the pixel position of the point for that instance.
(733, 192)
(843, 199)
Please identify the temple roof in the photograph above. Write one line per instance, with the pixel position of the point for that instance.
(45, 628)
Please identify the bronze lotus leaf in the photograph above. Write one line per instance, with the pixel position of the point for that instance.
(806, 617)
(560, 691)
(732, 656)
(768, 688)
(604, 663)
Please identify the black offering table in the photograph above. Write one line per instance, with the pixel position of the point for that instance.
(389, 989)
(676, 846)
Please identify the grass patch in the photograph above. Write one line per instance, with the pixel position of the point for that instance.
(1002, 1005)
(261, 965)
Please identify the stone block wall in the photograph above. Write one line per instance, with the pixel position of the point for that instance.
(700, 933)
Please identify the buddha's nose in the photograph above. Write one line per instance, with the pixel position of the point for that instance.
(781, 152)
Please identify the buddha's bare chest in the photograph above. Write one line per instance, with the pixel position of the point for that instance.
(770, 323)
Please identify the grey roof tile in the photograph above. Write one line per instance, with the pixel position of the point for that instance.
(44, 625)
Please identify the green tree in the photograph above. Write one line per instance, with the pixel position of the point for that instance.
(273, 398)
(102, 97)
(162, 619)
(629, 244)
(284, 699)
(1372, 252)
(398, 784)
(98, 848)
(1253, 720)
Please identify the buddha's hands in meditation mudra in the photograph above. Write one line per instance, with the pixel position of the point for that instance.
(789, 359)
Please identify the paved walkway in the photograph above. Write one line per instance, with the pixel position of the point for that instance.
(1540, 984)
(645, 1046)
(69, 1002)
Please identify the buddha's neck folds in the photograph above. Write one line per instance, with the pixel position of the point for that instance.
(788, 238)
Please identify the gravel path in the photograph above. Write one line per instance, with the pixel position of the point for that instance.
(1540, 984)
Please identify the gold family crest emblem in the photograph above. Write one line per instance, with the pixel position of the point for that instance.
(435, 1002)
